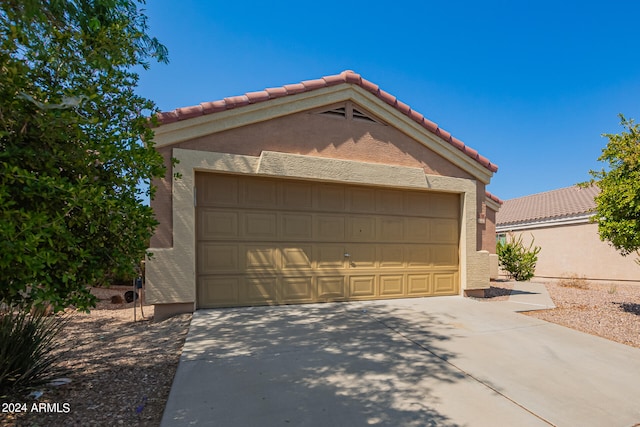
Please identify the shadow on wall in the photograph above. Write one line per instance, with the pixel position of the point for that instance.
(322, 354)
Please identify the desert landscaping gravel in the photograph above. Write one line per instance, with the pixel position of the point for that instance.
(121, 372)
(611, 311)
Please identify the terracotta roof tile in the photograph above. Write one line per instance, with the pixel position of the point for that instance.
(314, 84)
(347, 76)
(185, 113)
(333, 80)
(258, 96)
(276, 92)
(562, 203)
(492, 197)
(292, 89)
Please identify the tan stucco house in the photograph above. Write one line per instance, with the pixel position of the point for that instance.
(326, 190)
(559, 222)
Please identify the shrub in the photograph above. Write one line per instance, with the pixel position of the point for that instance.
(27, 350)
(519, 261)
(574, 281)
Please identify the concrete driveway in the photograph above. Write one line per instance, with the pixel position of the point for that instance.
(444, 361)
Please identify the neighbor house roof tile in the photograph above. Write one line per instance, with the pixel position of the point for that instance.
(310, 85)
(556, 204)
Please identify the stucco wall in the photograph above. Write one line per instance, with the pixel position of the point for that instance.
(577, 249)
(171, 276)
(312, 134)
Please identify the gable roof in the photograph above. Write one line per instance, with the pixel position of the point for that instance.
(562, 204)
(346, 77)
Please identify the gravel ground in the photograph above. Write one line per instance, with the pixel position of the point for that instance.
(121, 372)
(611, 311)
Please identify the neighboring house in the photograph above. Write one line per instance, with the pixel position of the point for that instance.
(559, 221)
(325, 190)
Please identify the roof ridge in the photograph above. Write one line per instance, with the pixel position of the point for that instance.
(346, 76)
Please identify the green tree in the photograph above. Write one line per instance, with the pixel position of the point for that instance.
(618, 204)
(74, 145)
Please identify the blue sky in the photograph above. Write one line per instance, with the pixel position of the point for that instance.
(530, 85)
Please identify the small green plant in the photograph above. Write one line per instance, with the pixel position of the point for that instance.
(27, 349)
(612, 289)
(517, 259)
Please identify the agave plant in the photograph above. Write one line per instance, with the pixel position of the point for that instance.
(27, 349)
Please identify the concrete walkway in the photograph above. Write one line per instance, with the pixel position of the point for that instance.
(443, 361)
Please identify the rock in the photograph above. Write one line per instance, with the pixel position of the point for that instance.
(117, 299)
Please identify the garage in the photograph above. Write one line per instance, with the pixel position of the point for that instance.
(325, 190)
(265, 241)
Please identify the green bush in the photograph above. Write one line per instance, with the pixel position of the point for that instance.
(519, 261)
(27, 344)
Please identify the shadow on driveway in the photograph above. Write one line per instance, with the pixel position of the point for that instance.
(337, 364)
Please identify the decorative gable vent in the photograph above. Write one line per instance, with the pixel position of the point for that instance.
(336, 112)
(358, 115)
(348, 112)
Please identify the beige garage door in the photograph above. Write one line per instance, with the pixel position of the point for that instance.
(273, 241)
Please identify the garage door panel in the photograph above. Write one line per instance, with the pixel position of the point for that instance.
(444, 255)
(297, 196)
(418, 230)
(389, 202)
(329, 228)
(362, 200)
(392, 286)
(216, 224)
(362, 256)
(261, 290)
(259, 193)
(263, 258)
(418, 284)
(445, 283)
(296, 226)
(416, 203)
(444, 205)
(444, 231)
(222, 191)
(218, 291)
(330, 198)
(361, 228)
(260, 226)
(391, 256)
(362, 287)
(419, 256)
(331, 288)
(391, 229)
(271, 241)
(297, 290)
(297, 258)
(218, 258)
(330, 257)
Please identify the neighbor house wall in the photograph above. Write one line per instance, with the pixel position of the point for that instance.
(577, 250)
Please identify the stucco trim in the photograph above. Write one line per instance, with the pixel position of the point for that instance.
(492, 204)
(171, 272)
(173, 133)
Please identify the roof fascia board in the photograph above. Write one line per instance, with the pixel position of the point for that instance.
(492, 204)
(582, 219)
(196, 127)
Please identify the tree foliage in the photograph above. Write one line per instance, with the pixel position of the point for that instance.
(618, 204)
(71, 146)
